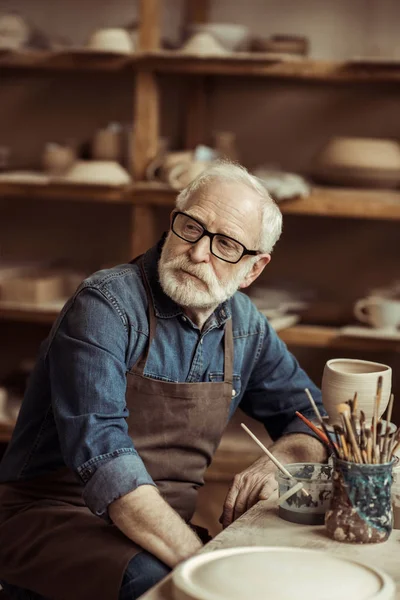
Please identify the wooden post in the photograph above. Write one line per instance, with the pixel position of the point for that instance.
(145, 124)
(197, 11)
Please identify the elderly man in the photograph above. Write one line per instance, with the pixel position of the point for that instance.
(130, 395)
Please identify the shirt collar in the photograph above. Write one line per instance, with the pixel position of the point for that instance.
(164, 306)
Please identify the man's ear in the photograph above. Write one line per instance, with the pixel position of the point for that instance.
(256, 270)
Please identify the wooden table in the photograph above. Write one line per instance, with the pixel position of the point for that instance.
(261, 526)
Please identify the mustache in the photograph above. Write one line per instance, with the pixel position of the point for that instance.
(201, 271)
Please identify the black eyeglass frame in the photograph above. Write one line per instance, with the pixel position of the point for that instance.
(212, 236)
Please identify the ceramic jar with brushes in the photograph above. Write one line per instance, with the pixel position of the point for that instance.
(361, 505)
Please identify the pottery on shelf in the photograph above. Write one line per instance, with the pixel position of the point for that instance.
(111, 39)
(366, 162)
(282, 44)
(57, 159)
(184, 173)
(96, 172)
(232, 36)
(107, 143)
(15, 32)
(203, 44)
(383, 313)
(342, 377)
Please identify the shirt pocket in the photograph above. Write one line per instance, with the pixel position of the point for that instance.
(216, 377)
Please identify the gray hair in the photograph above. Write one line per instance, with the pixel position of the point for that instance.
(271, 216)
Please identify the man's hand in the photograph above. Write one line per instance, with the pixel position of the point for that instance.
(257, 482)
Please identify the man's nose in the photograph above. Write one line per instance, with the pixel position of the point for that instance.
(201, 250)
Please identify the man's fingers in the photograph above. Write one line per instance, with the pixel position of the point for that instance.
(268, 488)
(229, 504)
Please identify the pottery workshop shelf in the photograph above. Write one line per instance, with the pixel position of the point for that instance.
(66, 60)
(269, 65)
(323, 201)
(63, 191)
(248, 64)
(6, 430)
(315, 336)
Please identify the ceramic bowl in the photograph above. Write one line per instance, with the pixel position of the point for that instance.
(367, 162)
(299, 508)
(342, 377)
(96, 172)
(111, 40)
(203, 43)
(231, 36)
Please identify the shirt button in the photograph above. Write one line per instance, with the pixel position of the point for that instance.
(233, 392)
(184, 319)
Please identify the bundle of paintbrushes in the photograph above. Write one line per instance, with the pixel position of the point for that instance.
(355, 440)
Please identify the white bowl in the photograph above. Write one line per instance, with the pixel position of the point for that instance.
(96, 172)
(343, 377)
(230, 35)
(263, 572)
(112, 39)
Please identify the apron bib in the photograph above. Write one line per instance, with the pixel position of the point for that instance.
(52, 544)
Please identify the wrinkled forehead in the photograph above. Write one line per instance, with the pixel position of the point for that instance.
(228, 207)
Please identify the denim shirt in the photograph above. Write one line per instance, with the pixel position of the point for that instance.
(74, 411)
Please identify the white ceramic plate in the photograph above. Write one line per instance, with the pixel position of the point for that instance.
(270, 573)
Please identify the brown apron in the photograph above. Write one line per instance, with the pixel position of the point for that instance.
(52, 544)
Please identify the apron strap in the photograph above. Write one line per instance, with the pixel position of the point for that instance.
(228, 352)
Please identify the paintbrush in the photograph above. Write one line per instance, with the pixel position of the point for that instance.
(341, 441)
(321, 423)
(369, 445)
(315, 429)
(384, 455)
(353, 441)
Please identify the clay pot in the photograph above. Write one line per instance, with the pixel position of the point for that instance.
(343, 377)
(231, 36)
(107, 143)
(57, 159)
(184, 173)
(360, 162)
(111, 40)
(203, 43)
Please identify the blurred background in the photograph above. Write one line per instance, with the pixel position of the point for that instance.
(108, 109)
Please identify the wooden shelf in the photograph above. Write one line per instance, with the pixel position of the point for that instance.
(313, 336)
(253, 64)
(346, 202)
(323, 201)
(66, 60)
(63, 191)
(45, 315)
(243, 64)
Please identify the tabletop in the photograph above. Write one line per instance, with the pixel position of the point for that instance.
(261, 526)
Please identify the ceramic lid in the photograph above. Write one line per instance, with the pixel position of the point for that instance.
(279, 574)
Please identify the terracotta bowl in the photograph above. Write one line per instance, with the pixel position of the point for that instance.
(365, 162)
(343, 377)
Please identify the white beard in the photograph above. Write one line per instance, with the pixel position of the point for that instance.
(204, 293)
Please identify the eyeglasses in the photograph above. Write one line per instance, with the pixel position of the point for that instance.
(222, 246)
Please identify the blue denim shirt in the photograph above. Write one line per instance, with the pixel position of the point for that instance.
(74, 410)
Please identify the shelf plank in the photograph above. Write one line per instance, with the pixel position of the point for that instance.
(346, 202)
(353, 203)
(254, 64)
(243, 64)
(44, 315)
(66, 60)
(313, 336)
(323, 201)
(63, 191)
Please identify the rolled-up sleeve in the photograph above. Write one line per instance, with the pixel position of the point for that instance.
(87, 373)
(276, 389)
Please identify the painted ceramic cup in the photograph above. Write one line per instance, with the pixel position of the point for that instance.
(299, 508)
(343, 377)
(361, 504)
(382, 313)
